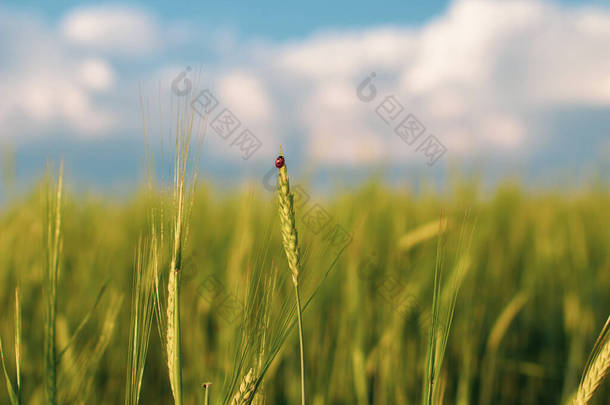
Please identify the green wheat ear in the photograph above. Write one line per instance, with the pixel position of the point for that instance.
(597, 368)
(290, 241)
(289, 231)
(245, 394)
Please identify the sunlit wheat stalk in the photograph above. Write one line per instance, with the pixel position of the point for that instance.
(493, 342)
(597, 367)
(206, 392)
(183, 187)
(166, 310)
(291, 247)
(142, 308)
(14, 397)
(443, 309)
(53, 251)
(245, 394)
(18, 344)
(174, 355)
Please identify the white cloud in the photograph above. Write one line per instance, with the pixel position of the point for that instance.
(246, 94)
(96, 74)
(474, 76)
(343, 54)
(50, 102)
(475, 73)
(47, 87)
(504, 131)
(335, 136)
(461, 46)
(112, 29)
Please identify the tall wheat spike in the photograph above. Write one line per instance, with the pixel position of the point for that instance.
(290, 237)
(245, 394)
(185, 179)
(597, 367)
(53, 251)
(186, 130)
(443, 309)
(290, 241)
(174, 349)
(142, 313)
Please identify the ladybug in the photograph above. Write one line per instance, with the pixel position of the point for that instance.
(279, 162)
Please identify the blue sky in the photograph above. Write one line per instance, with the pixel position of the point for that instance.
(270, 19)
(513, 86)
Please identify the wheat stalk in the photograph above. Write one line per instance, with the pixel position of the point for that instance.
(142, 313)
(498, 331)
(173, 337)
(597, 367)
(14, 396)
(52, 269)
(290, 241)
(443, 308)
(206, 392)
(245, 394)
(18, 343)
(183, 187)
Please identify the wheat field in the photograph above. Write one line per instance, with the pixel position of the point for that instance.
(459, 297)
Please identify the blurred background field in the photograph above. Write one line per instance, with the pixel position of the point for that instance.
(529, 310)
